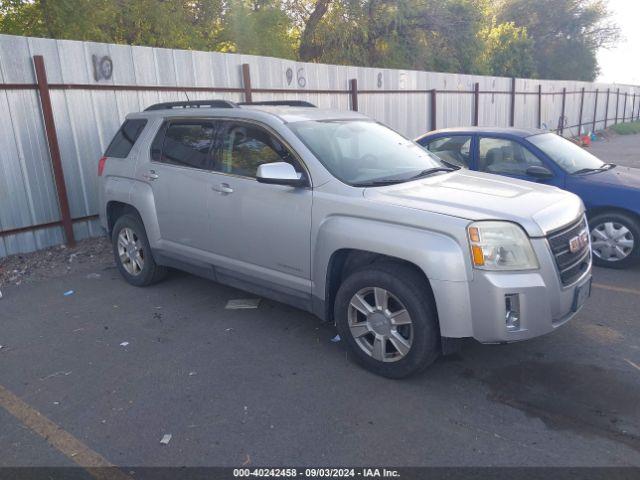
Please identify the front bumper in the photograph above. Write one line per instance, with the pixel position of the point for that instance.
(477, 308)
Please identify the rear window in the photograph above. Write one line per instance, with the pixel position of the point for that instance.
(126, 137)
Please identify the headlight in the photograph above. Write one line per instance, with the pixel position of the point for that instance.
(500, 246)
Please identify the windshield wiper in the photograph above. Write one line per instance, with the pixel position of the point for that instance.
(606, 166)
(377, 183)
(430, 171)
(393, 181)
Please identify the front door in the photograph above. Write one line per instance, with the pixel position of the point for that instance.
(263, 230)
(503, 156)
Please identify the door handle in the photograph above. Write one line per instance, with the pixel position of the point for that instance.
(223, 189)
(151, 175)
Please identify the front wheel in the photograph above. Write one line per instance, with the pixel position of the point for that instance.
(615, 239)
(386, 315)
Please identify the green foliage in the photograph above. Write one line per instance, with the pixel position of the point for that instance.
(508, 51)
(258, 28)
(626, 128)
(566, 34)
(548, 38)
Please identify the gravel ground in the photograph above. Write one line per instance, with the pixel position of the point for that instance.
(92, 254)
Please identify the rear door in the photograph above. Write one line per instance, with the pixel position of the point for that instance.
(179, 173)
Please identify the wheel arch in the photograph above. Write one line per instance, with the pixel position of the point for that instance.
(347, 260)
(116, 209)
(592, 212)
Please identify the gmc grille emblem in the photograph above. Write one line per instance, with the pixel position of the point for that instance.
(579, 242)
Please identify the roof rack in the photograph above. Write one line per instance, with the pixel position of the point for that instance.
(281, 103)
(193, 104)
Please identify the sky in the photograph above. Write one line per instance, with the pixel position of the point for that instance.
(620, 64)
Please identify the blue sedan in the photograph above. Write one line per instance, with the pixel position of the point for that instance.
(611, 193)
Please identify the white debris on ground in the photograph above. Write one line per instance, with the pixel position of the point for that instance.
(242, 303)
(124, 344)
(166, 438)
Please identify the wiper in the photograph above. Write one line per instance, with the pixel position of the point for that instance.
(430, 171)
(606, 166)
(377, 183)
(392, 181)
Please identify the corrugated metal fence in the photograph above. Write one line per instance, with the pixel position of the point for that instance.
(93, 86)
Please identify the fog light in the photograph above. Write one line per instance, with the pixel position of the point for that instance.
(512, 311)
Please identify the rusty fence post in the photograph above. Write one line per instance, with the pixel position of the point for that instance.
(606, 109)
(54, 148)
(581, 111)
(512, 112)
(561, 119)
(476, 104)
(595, 111)
(246, 83)
(617, 105)
(624, 108)
(633, 106)
(353, 91)
(539, 106)
(433, 109)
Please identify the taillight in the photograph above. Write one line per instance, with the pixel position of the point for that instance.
(101, 164)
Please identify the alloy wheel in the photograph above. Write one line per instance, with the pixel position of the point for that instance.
(380, 324)
(130, 251)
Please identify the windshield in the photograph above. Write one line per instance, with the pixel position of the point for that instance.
(569, 156)
(362, 153)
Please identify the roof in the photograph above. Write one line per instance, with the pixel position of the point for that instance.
(300, 114)
(287, 114)
(515, 132)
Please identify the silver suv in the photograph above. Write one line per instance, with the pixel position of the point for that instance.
(341, 216)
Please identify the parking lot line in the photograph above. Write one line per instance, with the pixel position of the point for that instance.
(94, 463)
(617, 289)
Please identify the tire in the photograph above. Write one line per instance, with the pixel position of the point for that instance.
(130, 226)
(406, 289)
(615, 239)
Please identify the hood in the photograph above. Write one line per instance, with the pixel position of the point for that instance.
(538, 208)
(619, 176)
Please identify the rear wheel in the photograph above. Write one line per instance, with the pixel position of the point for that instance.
(386, 315)
(615, 239)
(133, 254)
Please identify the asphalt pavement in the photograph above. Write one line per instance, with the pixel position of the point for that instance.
(269, 387)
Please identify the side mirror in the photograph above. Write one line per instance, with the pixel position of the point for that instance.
(539, 172)
(280, 173)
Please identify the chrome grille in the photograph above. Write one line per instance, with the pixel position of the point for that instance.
(571, 265)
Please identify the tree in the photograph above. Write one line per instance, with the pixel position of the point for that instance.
(566, 34)
(258, 28)
(507, 51)
(550, 38)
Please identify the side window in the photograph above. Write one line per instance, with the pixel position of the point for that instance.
(126, 137)
(244, 147)
(454, 150)
(505, 157)
(186, 143)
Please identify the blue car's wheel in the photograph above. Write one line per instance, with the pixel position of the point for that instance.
(615, 239)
